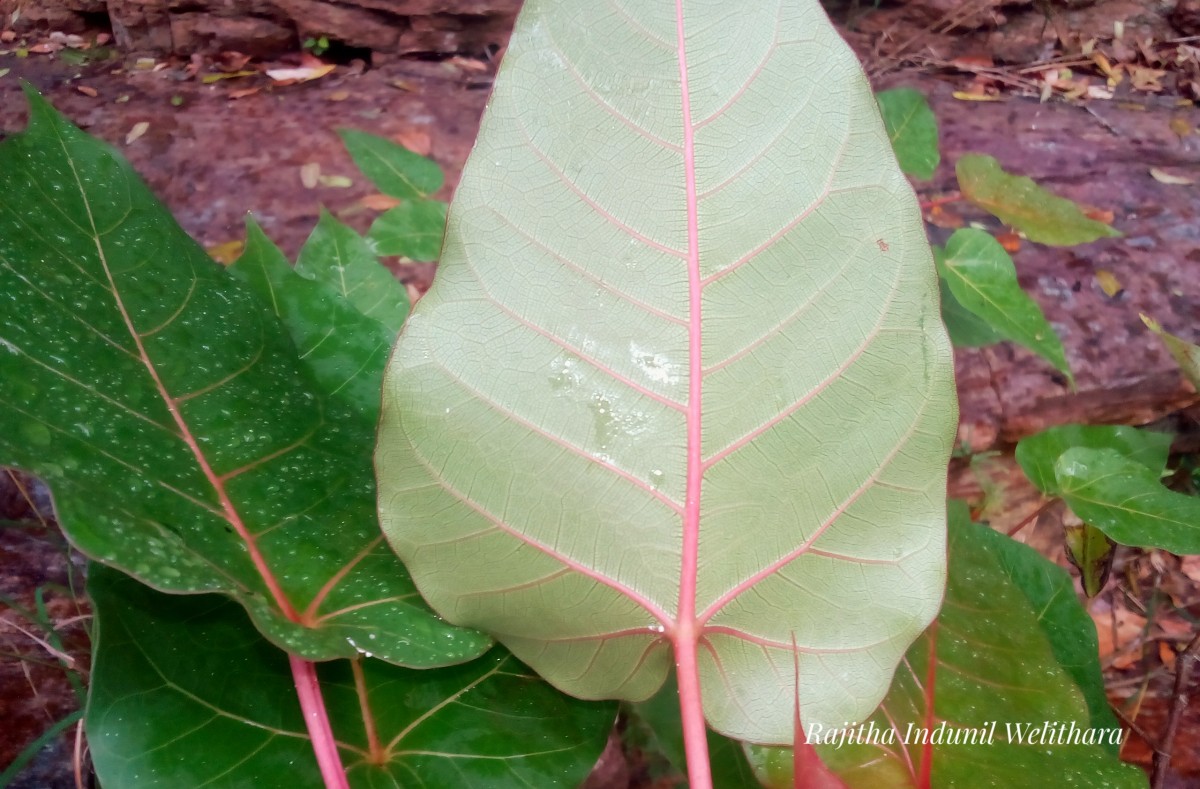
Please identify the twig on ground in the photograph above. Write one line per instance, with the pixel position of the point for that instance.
(1184, 664)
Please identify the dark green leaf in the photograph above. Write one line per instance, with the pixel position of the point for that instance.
(1037, 454)
(1092, 552)
(341, 259)
(345, 350)
(981, 275)
(165, 405)
(185, 694)
(912, 128)
(1063, 621)
(1127, 500)
(966, 329)
(994, 666)
(413, 229)
(393, 168)
(1019, 202)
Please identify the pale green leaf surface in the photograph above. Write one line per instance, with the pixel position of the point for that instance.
(186, 694)
(534, 449)
(912, 128)
(166, 407)
(1021, 203)
(983, 279)
(1037, 454)
(1127, 501)
(340, 258)
(412, 229)
(393, 168)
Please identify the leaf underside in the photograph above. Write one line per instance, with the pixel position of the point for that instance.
(184, 440)
(634, 311)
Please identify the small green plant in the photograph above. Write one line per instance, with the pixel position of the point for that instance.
(317, 45)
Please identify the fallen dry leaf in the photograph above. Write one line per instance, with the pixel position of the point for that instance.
(416, 140)
(378, 202)
(242, 92)
(87, 90)
(1010, 241)
(291, 76)
(1108, 283)
(230, 60)
(310, 174)
(137, 131)
(1163, 177)
(962, 95)
(7, 36)
(1190, 566)
(1117, 630)
(227, 252)
(339, 95)
(335, 181)
(1166, 653)
(209, 79)
(940, 217)
(1181, 126)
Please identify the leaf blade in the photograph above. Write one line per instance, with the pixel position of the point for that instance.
(573, 332)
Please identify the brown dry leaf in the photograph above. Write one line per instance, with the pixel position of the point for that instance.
(469, 64)
(378, 202)
(7, 36)
(1128, 626)
(1163, 177)
(87, 90)
(310, 174)
(962, 95)
(1099, 214)
(1190, 566)
(416, 140)
(291, 76)
(1146, 79)
(940, 217)
(242, 92)
(338, 95)
(45, 48)
(1010, 241)
(229, 60)
(137, 131)
(1109, 283)
(400, 84)
(227, 252)
(1166, 653)
(335, 181)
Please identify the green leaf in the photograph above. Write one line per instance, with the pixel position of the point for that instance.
(393, 168)
(341, 259)
(546, 469)
(1127, 501)
(166, 407)
(1065, 623)
(1021, 203)
(344, 349)
(912, 128)
(1092, 553)
(966, 330)
(1186, 355)
(1037, 454)
(982, 278)
(658, 721)
(185, 693)
(413, 229)
(995, 670)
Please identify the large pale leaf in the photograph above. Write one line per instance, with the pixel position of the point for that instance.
(1012, 648)
(184, 440)
(681, 383)
(186, 694)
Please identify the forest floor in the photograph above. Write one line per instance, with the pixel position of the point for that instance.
(1096, 101)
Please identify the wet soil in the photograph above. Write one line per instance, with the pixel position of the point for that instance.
(213, 152)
